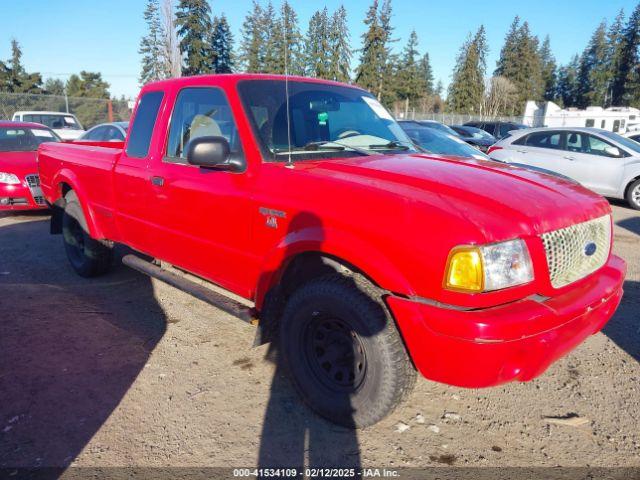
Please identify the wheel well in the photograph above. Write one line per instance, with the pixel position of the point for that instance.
(307, 266)
(626, 189)
(64, 189)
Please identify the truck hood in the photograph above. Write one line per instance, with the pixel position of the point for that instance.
(18, 163)
(501, 200)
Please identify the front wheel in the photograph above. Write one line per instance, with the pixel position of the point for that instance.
(87, 256)
(633, 195)
(343, 351)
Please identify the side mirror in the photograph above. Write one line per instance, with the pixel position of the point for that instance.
(613, 152)
(212, 152)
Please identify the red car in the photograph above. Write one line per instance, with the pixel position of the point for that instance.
(369, 259)
(19, 180)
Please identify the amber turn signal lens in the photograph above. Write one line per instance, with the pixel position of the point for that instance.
(464, 270)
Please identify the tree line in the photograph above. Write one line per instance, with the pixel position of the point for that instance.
(272, 41)
(606, 73)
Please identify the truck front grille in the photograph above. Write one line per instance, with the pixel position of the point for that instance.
(33, 181)
(577, 251)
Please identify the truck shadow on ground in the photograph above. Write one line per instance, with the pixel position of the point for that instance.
(292, 435)
(70, 348)
(624, 326)
(631, 224)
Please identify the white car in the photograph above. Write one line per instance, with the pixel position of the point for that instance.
(106, 132)
(603, 161)
(66, 125)
(633, 135)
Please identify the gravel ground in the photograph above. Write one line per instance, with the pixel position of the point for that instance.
(126, 371)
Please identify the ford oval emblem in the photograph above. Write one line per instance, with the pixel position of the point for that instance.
(590, 249)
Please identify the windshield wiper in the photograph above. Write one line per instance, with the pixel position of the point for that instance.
(331, 144)
(392, 145)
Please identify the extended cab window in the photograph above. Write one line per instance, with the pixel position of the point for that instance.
(200, 112)
(142, 129)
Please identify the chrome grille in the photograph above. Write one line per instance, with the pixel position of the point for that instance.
(577, 251)
(33, 182)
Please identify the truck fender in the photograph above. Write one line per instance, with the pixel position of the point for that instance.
(339, 245)
(66, 176)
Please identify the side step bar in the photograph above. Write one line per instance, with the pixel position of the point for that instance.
(228, 305)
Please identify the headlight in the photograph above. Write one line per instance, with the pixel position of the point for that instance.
(9, 178)
(490, 267)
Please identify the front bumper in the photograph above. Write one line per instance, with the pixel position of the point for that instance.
(517, 341)
(18, 197)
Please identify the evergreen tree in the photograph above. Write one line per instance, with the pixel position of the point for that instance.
(287, 41)
(439, 88)
(339, 46)
(222, 46)
(549, 70)
(520, 63)
(54, 86)
(273, 35)
(253, 39)
(568, 88)
(411, 83)
(193, 18)
(151, 45)
(626, 86)
(615, 42)
(374, 67)
(467, 86)
(87, 85)
(427, 74)
(317, 52)
(16, 78)
(593, 75)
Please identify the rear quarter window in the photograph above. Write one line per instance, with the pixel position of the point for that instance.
(143, 123)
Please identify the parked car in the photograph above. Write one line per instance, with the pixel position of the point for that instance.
(367, 258)
(433, 125)
(633, 135)
(19, 180)
(600, 160)
(65, 125)
(106, 132)
(477, 137)
(498, 129)
(433, 140)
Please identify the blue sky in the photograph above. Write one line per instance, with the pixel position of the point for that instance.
(65, 36)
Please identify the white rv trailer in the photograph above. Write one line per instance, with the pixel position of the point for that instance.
(615, 119)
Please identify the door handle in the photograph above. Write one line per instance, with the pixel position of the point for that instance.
(521, 151)
(157, 181)
(569, 158)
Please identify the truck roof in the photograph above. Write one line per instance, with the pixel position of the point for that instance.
(234, 77)
(41, 112)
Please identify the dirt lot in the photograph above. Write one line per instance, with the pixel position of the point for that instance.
(123, 370)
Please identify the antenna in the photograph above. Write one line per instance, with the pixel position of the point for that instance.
(286, 83)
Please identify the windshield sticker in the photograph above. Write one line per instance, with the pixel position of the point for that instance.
(42, 133)
(69, 120)
(377, 108)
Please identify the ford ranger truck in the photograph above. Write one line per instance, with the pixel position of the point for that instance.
(367, 259)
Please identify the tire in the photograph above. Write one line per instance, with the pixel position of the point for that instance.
(633, 195)
(343, 352)
(88, 257)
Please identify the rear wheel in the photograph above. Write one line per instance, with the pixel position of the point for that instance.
(87, 256)
(343, 351)
(633, 195)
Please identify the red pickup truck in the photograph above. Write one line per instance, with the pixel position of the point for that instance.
(373, 259)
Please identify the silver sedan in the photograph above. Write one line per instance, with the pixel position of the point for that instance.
(600, 160)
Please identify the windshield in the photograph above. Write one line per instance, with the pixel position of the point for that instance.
(625, 142)
(475, 133)
(434, 141)
(323, 119)
(440, 127)
(24, 139)
(52, 120)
